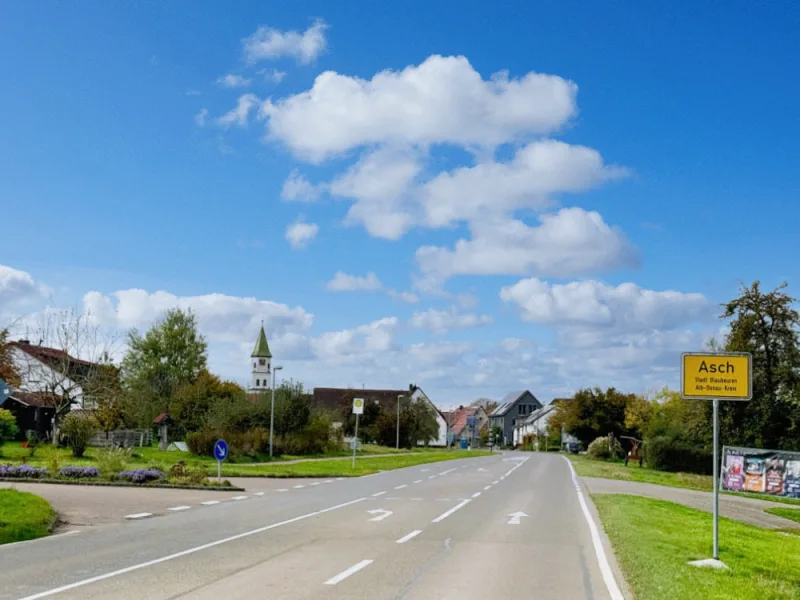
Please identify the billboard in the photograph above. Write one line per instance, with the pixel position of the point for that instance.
(773, 472)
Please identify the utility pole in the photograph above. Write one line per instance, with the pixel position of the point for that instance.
(272, 410)
(397, 445)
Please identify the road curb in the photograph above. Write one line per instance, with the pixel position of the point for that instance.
(169, 486)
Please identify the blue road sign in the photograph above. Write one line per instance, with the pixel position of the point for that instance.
(5, 392)
(221, 450)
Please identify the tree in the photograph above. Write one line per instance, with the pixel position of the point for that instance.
(420, 423)
(192, 402)
(171, 355)
(592, 413)
(292, 412)
(78, 428)
(765, 325)
(8, 370)
(487, 404)
(70, 362)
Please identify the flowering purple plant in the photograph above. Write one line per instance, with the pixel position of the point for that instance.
(79, 472)
(142, 475)
(22, 471)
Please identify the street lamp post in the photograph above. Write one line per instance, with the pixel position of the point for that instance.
(272, 410)
(398, 421)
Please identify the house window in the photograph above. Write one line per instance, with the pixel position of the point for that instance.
(254, 365)
(258, 383)
(262, 362)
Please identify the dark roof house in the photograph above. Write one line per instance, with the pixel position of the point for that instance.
(515, 405)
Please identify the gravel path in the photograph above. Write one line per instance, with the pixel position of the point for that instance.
(747, 510)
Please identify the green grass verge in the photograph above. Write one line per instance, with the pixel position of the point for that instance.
(590, 467)
(24, 516)
(792, 514)
(654, 540)
(343, 468)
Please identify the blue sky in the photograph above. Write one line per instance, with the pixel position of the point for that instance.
(117, 174)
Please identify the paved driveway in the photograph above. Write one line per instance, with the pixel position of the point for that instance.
(747, 510)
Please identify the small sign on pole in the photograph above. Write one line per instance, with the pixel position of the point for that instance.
(220, 453)
(358, 409)
(716, 376)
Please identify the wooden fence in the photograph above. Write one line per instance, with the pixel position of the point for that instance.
(123, 438)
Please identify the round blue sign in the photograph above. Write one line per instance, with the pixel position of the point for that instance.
(221, 450)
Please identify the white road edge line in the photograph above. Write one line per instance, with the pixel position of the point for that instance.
(177, 508)
(602, 559)
(441, 517)
(476, 494)
(157, 561)
(378, 494)
(409, 536)
(400, 487)
(138, 516)
(346, 573)
(210, 502)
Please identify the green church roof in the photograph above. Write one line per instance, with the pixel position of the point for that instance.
(262, 347)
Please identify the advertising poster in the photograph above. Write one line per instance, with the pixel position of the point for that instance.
(754, 474)
(773, 472)
(792, 482)
(774, 478)
(733, 473)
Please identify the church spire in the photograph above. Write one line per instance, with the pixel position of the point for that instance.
(262, 347)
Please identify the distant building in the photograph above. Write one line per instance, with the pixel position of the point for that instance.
(262, 364)
(515, 406)
(466, 423)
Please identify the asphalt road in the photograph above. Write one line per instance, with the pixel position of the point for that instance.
(510, 526)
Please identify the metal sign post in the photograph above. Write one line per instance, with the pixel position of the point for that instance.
(358, 409)
(220, 453)
(715, 377)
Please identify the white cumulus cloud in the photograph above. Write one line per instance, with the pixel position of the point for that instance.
(298, 188)
(271, 43)
(342, 282)
(442, 321)
(300, 234)
(232, 80)
(239, 115)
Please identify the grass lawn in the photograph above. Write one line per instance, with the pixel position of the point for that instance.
(792, 514)
(24, 516)
(654, 540)
(589, 467)
(343, 468)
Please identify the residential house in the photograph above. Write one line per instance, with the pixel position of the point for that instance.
(533, 424)
(51, 380)
(337, 401)
(466, 423)
(515, 406)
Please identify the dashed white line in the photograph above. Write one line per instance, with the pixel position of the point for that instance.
(259, 494)
(348, 572)
(418, 481)
(282, 490)
(431, 476)
(446, 472)
(486, 488)
(378, 494)
(400, 487)
(328, 481)
(297, 487)
(495, 482)
(210, 502)
(177, 508)
(182, 553)
(239, 498)
(416, 498)
(139, 515)
(476, 494)
(340, 479)
(316, 483)
(409, 536)
(447, 513)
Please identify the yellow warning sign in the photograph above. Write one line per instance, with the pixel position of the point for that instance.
(723, 376)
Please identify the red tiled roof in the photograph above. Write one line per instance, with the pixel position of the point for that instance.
(458, 419)
(48, 355)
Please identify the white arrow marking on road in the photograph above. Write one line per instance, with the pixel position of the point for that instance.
(515, 518)
(382, 514)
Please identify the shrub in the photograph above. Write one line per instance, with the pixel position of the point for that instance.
(240, 443)
(600, 449)
(672, 453)
(141, 475)
(8, 425)
(22, 471)
(78, 428)
(79, 472)
(182, 474)
(111, 461)
(202, 442)
(53, 459)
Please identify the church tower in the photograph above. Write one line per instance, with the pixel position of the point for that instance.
(262, 369)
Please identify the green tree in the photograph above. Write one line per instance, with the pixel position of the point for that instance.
(765, 325)
(192, 402)
(420, 423)
(292, 412)
(8, 426)
(78, 428)
(8, 370)
(592, 413)
(171, 355)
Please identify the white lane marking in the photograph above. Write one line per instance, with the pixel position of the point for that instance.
(210, 502)
(516, 466)
(297, 487)
(381, 512)
(340, 479)
(138, 515)
(495, 482)
(316, 483)
(502, 477)
(431, 476)
(328, 481)
(378, 494)
(239, 498)
(409, 536)
(486, 488)
(444, 515)
(514, 518)
(476, 494)
(418, 481)
(259, 494)
(416, 498)
(424, 470)
(400, 487)
(177, 508)
(346, 573)
(446, 472)
(282, 490)
(169, 557)
(481, 470)
(602, 559)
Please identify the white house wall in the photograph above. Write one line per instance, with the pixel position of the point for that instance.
(441, 440)
(36, 376)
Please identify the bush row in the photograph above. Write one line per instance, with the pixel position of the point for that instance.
(669, 453)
